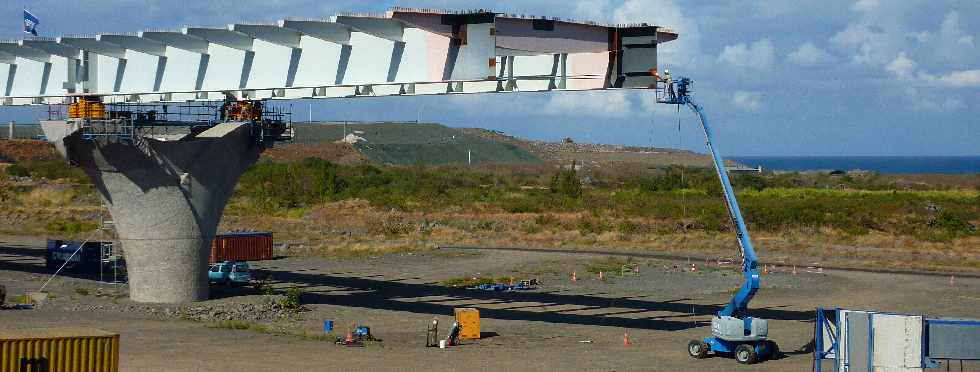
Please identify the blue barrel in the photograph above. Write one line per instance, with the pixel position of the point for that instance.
(327, 326)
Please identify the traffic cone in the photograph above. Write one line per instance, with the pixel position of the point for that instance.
(694, 268)
(626, 337)
(574, 279)
(765, 270)
(350, 336)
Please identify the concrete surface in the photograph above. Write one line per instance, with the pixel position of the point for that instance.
(166, 198)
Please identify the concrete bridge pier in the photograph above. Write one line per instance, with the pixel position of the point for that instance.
(166, 196)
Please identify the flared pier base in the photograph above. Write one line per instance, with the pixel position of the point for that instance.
(166, 197)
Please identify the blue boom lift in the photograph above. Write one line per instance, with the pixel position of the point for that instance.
(732, 330)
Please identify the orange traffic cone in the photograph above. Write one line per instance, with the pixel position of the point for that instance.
(765, 270)
(626, 337)
(574, 279)
(350, 336)
(694, 268)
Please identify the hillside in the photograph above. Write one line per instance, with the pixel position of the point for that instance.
(431, 144)
(435, 144)
(411, 143)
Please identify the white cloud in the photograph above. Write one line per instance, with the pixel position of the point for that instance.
(758, 56)
(902, 66)
(748, 101)
(922, 37)
(961, 79)
(611, 104)
(865, 5)
(951, 30)
(591, 10)
(869, 45)
(923, 102)
(810, 55)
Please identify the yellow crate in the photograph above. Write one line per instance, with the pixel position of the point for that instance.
(86, 110)
(59, 349)
(469, 323)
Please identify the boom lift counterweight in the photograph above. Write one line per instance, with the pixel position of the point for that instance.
(732, 330)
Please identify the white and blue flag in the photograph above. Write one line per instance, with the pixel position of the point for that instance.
(30, 23)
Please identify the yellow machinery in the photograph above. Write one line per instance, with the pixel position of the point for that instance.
(242, 111)
(86, 107)
(469, 323)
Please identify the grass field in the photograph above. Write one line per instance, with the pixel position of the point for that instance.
(322, 208)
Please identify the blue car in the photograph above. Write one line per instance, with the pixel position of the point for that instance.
(230, 273)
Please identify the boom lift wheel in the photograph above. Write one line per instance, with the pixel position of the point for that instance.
(772, 349)
(697, 349)
(745, 354)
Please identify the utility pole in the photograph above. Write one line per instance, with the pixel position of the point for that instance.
(10, 129)
(469, 157)
(311, 113)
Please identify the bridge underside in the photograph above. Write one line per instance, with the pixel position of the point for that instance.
(400, 52)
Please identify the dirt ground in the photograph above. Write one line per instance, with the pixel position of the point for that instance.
(559, 326)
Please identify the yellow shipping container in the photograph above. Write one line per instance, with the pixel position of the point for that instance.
(469, 323)
(59, 349)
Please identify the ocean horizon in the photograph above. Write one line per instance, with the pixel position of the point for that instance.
(880, 164)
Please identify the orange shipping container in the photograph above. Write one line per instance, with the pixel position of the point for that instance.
(251, 246)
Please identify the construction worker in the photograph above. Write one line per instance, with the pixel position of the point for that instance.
(670, 85)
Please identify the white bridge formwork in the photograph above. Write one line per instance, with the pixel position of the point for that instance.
(400, 52)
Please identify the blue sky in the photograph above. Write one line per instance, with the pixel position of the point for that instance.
(831, 77)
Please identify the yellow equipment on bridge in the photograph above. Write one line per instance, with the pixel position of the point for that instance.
(89, 107)
(242, 111)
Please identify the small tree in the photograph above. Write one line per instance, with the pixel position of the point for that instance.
(566, 183)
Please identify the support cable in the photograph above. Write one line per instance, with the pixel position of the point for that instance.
(68, 260)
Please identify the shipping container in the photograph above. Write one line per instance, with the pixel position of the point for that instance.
(94, 258)
(469, 323)
(59, 349)
(244, 246)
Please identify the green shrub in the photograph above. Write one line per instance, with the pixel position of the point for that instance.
(627, 227)
(18, 170)
(567, 184)
(292, 300)
(70, 226)
(953, 224)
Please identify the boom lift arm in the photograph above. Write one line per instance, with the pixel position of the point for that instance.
(732, 331)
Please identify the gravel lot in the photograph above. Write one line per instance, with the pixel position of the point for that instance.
(397, 295)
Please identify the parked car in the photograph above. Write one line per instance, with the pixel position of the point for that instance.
(230, 273)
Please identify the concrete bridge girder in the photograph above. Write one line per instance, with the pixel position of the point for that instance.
(137, 43)
(389, 54)
(225, 37)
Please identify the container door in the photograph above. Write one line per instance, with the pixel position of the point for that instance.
(859, 345)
